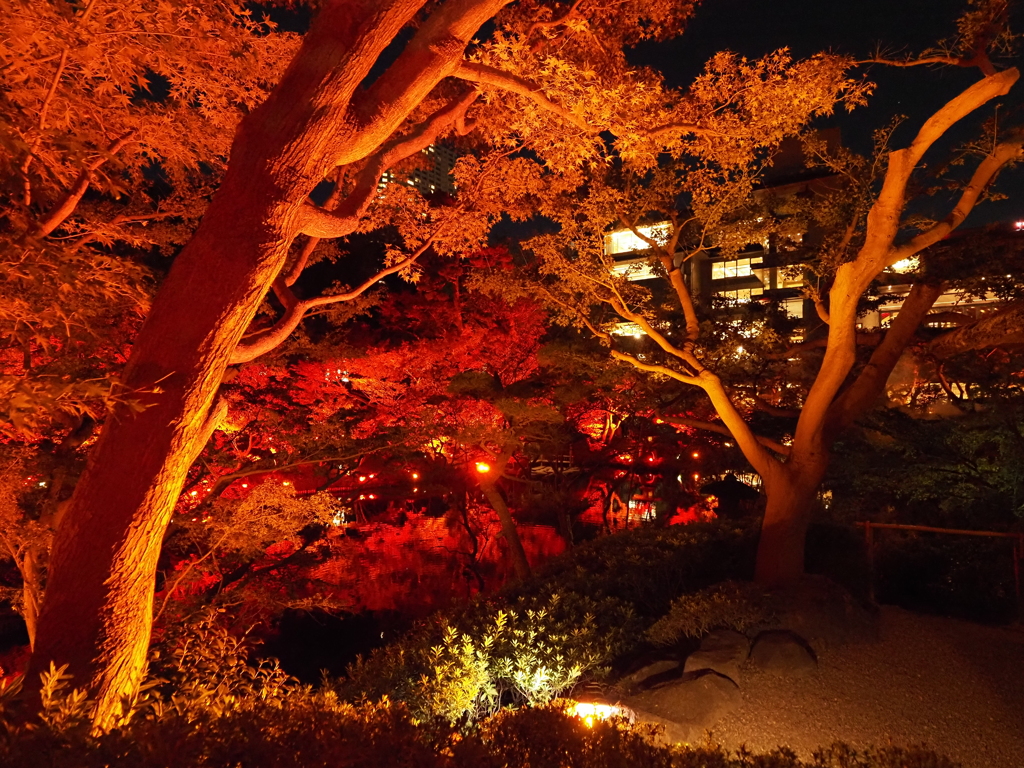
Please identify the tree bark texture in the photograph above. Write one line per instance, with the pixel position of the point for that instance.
(829, 407)
(97, 612)
(508, 529)
(791, 492)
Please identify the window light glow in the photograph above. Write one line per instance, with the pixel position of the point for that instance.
(624, 241)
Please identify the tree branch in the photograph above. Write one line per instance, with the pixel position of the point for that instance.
(1005, 152)
(866, 388)
(721, 429)
(67, 203)
(483, 74)
(321, 223)
(995, 329)
(262, 342)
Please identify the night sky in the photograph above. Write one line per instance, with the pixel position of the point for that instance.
(858, 28)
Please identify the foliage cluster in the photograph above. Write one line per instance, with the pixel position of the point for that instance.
(117, 125)
(526, 651)
(534, 640)
(729, 605)
(212, 710)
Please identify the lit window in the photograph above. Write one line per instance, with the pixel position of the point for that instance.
(624, 241)
(792, 276)
(634, 269)
(905, 265)
(741, 294)
(736, 268)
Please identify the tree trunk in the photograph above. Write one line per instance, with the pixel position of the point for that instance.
(791, 496)
(96, 616)
(508, 529)
(98, 609)
(31, 586)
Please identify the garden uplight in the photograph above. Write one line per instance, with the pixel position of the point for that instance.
(590, 712)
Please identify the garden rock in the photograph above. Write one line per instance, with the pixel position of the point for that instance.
(721, 651)
(727, 640)
(694, 703)
(724, 662)
(785, 653)
(650, 673)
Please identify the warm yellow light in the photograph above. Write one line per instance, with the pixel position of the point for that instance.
(905, 265)
(483, 467)
(589, 713)
(362, 478)
(415, 475)
(696, 476)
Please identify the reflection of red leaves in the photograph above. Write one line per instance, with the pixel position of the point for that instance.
(420, 565)
(281, 549)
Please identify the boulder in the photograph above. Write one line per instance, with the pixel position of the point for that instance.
(724, 662)
(781, 652)
(669, 732)
(727, 640)
(693, 703)
(824, 613)
(642, 677)
(722, 650)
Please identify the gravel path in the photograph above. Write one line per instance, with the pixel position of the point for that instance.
(953, 686)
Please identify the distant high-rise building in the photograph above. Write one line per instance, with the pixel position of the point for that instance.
(436, 177)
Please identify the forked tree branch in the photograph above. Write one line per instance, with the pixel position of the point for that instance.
(721, 429)
(320, 223)
(262, 342)
(483, 74)
(67, 202)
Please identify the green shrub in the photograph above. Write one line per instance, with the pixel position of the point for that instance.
(534, 639)
(495, 657)
(314, 730)
(729, 605)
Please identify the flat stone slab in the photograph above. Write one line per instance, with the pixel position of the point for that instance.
(782, 652)
(722, 661)
(695, 702)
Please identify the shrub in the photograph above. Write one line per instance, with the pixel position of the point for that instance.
(495, 657)
(729, 605)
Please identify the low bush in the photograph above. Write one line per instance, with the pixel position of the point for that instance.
(729, 605)
(314, 730)
(533, 640)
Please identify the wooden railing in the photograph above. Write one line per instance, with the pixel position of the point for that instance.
(1018, 551)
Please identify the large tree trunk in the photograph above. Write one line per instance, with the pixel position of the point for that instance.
(792, 490)
(97, 611)
(98, 608)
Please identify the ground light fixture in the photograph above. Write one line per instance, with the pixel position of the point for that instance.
(592, 711)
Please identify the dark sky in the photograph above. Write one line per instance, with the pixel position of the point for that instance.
(753, 28)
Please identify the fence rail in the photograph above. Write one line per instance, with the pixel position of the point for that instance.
(1018, 551)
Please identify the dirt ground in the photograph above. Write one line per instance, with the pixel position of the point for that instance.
(953, 686)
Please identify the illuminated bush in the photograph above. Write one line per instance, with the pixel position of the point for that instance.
(729, 605)
(496, 658)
